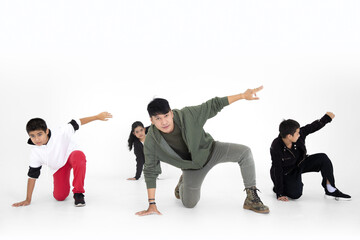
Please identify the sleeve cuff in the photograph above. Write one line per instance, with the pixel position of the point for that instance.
(34, 172)
(326, 119)
(150, 183)
(75, 123)
(225, 101)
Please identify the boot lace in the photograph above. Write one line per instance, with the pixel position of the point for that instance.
(254, 195)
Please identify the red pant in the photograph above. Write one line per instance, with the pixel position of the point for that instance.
(77, 162)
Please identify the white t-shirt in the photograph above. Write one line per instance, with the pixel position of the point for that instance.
(57, 150)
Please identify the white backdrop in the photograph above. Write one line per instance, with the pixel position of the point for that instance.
(61, 60)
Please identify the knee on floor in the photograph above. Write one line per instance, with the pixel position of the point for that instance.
(189, 204)
(295, 195)
(61, 197)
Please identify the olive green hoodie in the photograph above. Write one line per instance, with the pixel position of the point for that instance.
(190, 121)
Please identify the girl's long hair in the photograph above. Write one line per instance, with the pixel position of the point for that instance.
(132, 137)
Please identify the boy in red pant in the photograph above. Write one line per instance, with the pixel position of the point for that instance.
(57, 150)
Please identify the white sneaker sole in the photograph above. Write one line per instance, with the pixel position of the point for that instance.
(80, 205)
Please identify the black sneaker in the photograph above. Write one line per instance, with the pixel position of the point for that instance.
(337, 195)
(79, 200)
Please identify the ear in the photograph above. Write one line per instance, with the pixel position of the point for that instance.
(151, 120)
(47, 131)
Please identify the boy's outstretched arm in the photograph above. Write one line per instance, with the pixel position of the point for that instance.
(30, 189)
(249, 94)
(104, 116)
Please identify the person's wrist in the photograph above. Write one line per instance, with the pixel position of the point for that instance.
(152, 206)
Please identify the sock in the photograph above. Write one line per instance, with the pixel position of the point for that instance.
(330, 188)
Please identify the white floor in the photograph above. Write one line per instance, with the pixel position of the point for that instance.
(112, 202)
(75, 59)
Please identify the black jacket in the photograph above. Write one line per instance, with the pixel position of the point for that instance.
(284, 161)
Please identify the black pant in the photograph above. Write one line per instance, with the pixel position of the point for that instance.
(293, 186)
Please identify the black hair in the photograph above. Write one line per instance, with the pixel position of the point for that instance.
(132, 137)
(158, 106)
(36, 124)
(288, 127)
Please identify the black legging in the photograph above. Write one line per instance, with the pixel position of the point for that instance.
(293, 186)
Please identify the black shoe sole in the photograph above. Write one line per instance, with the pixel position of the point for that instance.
(336, 198)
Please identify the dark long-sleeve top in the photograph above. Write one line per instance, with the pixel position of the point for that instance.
(140, 158)
(285, 160)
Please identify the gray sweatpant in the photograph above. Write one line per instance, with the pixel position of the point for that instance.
(222, 152)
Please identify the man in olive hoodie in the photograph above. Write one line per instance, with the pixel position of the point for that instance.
(177, 137)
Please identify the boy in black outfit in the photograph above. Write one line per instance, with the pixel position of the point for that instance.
(290, 160)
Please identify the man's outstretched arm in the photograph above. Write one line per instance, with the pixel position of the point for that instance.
(104, 116)
(249, 94)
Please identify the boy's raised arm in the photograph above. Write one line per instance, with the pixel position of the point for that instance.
(104, 116)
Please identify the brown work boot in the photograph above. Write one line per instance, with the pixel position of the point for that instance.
(177, 189)
(253, 202)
